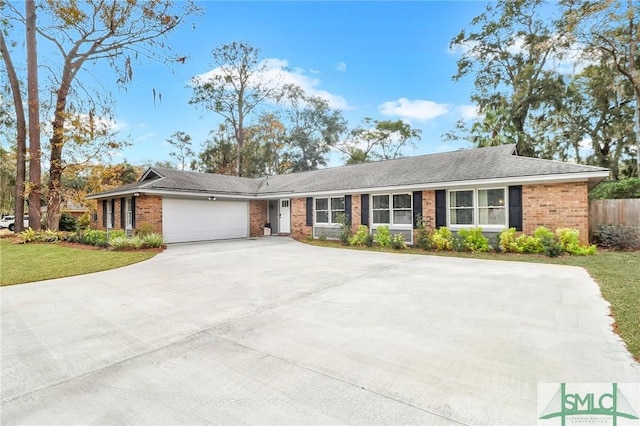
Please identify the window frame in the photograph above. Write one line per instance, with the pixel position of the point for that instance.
(330, 210)
(391, 209)
(476, 209)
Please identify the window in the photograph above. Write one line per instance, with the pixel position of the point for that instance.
(381, 209)
(461, 207)
(393, 209)
(480, 207)
(110, 205)
(328, 209)
(129, 214)
(491, 208)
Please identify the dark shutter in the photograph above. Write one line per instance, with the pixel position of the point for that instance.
(515, 207)
(104, 214)
(347, 208)
(113, 212)
(133, 212)
(309, 211)
(441, 208)
(417, 208)
(123, 214)
(364, 209)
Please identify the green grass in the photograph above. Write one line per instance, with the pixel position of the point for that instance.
(617, 274)
(23, 263)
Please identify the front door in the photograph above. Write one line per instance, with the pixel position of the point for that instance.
(284, 217)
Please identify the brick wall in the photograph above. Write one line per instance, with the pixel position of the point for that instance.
(257, 217)
(356, 210)
(559, 205)
(149, 210)
(428, 212)
(299, 228)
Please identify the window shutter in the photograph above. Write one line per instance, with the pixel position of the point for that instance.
(417, 207)
(441, 208)
(515, 207)
(123, 214)
(104, 213)
(113, 212)
(133, 212)
(309, 211)
(364, 211)
(347, 208)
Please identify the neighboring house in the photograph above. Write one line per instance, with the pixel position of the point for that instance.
(493, 188)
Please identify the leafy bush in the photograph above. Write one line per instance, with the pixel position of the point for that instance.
(44, 236)
(361, 236)
(153, 240)
(94, 237)
(397, 242)
(441, 239)
(508, 240)
(474, 240)
(119, 243)
(527, 244)
(382, 236)
(617, 237)
(145, 229)
(345, 228)
(136, 242)
(625, 188)
(569, 239)
(423, 237)
(68, 222)
(84, 222)
(548, 242)
(542, 232)
(457, 244)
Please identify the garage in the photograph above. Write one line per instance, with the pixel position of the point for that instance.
(185, 220)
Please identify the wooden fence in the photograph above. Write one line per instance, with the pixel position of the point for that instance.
(623, 212)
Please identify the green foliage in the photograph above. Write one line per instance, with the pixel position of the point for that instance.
(362, 237)
(510, 243)
(68, 222)
(457, 244)
(136, 242)
(84, 222)
(474, 240)
(322, 237)
(44, 236)
(548, 242)
(119, 243)
(508, 240)
(153, 240)
(383, 236)
(145, 229)
(397, 242)
(620, 189)
(618, 237)
(345, 228)
(423, 237)
(569, 239)
(441, 239)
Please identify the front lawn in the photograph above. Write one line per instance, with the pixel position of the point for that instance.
(617, 274)
(22, 263)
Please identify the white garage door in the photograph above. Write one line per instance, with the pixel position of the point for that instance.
(202, 220)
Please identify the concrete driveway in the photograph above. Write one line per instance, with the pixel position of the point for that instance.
(272, 331)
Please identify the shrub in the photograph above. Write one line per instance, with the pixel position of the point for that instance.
(145, 229)
(382, 236)
(527, 244)
(68, 222)
(625, 188)
(441, 239)
(44, 236)
(153, 240)
(345, 228)
(457, 244)
(617, 237)
(423, 239)
(397, 242)
(569, 239)
(27, 236)
(474, 240)
(549, 243)
(119, 243)
(508, 240)
(136, 242)
(360, 237)
(322, 237)
(84, 222)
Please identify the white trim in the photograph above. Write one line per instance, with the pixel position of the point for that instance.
(391, 209)
(475, 209)
(329, 210)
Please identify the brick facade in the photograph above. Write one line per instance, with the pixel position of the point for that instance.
(356, 211)
(148, 211)
(299, 228)
(257, 217)
(428, 212)
(558, 205)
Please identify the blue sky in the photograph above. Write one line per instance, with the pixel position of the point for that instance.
(382, 59)
(385, 60)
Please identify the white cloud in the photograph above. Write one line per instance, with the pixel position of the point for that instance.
(418, 109)
(277, 73)
(144, 137)
(341, 66)
(468, 112)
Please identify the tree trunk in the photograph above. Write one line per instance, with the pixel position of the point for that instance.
(21, 137)
(35, 184)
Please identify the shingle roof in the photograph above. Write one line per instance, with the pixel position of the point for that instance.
(431, 169)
